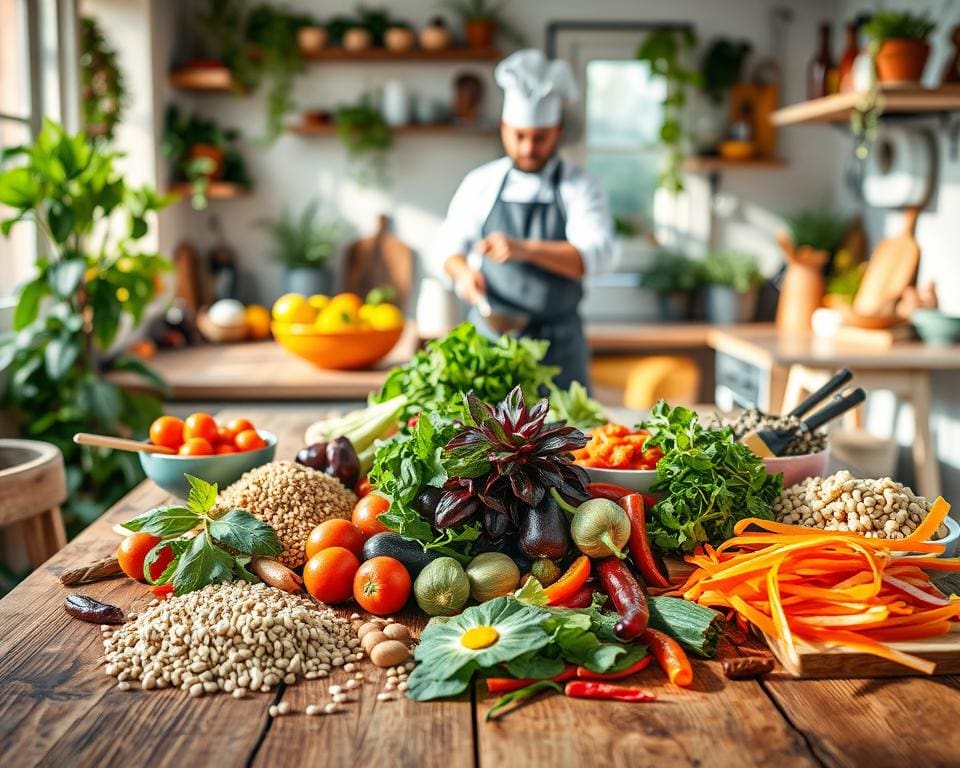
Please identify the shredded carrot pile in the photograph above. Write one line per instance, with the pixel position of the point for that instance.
(839, 589)
(614, 446)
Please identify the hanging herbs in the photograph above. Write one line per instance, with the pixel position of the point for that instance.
(368, 139)
(666, 50)
(102, 84)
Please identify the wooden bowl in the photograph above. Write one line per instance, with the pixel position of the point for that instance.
(349, 350)
(737, 150)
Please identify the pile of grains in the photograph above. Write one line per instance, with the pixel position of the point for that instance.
(292, 499)
(233, 637)
(880, 509)
(751, 419)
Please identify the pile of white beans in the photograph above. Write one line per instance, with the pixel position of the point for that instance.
(881, 509)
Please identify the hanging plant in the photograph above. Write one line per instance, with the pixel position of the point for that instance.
(101, 82)
(368, 139)
(666, 50)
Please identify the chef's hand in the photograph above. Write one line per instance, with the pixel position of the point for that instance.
(500, 248)
(470, 285)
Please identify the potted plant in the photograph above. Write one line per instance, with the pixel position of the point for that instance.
(482, 21)
(95, 277)
(368, 139)
(305, 247)
(103, 88)
(898, 42)
(674, 278)
(731, 279)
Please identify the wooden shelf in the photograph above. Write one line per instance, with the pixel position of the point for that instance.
(460, 53)
(837, 108)
(218, 190)
(217, 79)
(330, 129)
(713, 164)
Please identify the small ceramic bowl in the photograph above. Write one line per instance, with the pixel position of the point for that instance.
(638, 480)
(168, 471)
(798, 468)
(949, 542)
(936, 328)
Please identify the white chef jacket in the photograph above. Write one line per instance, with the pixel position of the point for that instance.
(584, 201)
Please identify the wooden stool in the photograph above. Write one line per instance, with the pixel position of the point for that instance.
(33, 484)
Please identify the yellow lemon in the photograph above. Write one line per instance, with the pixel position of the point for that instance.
(335, 320)
(348, 301)
(385, 317)
(257, 319)
(318, 301)
(293, 308)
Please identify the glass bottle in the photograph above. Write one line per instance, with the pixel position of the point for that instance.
(850, 51)
(821, 72)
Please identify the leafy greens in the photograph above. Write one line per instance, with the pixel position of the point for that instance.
(576, 407)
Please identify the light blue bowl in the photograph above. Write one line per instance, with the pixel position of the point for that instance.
(168, 471)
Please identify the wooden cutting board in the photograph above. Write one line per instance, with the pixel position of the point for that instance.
(892, 267)
(820, 662)
(379, 261)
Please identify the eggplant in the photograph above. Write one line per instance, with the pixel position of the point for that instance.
(425, 503)
(495, 524)
(544, 530)
(407, 551)
(313, 456)
(343, 462)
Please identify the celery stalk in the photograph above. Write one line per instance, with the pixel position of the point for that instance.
(364, 426)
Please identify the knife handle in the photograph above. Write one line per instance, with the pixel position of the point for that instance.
(833, 409)
(834, 383)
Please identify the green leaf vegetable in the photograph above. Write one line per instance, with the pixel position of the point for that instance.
(576, 407)
(218, 553)
(711, 482)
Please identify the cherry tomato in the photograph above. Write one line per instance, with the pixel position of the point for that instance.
(363, 487)
(200, 425)
(366, 512)
(329, 575)
(335, 533)
(225, 436)
(249, 440)
(381, 586)
(167, 431)
(239, 425)
(225, 448)
(133, 550)
(196, 446)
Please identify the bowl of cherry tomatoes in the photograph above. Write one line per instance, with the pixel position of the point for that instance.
(216, 452)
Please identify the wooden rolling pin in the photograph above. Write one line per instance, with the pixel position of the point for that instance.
(119, 443)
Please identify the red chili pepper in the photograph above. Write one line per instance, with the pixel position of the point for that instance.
(585, 689)
(162, 591)
(627, 596)
(510, 684)
(669, 656)
(643, 557)
(567, 585)
(364, 488)
(582, 598)
(585, 674)
(607, 491)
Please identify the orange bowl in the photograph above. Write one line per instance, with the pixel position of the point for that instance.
(338, 351)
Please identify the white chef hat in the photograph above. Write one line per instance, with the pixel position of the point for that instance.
(534, 88)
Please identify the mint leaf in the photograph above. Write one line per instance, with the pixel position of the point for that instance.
(165, 521)
(240, 530)
(203, 495)
(203, 563)
(179, 546)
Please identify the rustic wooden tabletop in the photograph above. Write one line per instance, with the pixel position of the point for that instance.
(58, 708)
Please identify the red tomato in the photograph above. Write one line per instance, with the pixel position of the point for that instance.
(225, 448)
(381, 586)
(366, 512)
(200, 425)
(133, 551)
(167, 431)
(249, 440)
(196, 446)
(363, 488)
(239, 425)
(335, 533)
(225, 436)
(329, 575)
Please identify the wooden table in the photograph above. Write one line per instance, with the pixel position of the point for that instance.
(57, 707)
(797, 364)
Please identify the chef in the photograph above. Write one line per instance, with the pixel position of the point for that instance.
(523, 231)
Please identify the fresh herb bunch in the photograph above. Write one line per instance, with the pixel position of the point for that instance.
(893, 25)
(219, 552)
(736, 269)
(505, 459)
(303, 241)
(368, 139)
(576, 407)
(822, 230)
(406, 465)
(462, 361)
(711, 482)
(671, 272)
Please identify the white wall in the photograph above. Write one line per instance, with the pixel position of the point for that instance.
(427, 169)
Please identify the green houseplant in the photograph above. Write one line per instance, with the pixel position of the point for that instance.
(368, 139)
(674, 277)
(666, 51)
(898, 43)
(102, 84)
(483, 20)
(731, 279)
(305, 247)
(93, 276)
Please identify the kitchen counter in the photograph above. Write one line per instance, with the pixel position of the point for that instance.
(57, 707)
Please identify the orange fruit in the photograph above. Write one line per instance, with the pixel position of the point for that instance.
(329, 575)
(257, 319)
(196, 446)
(200, 425)
(293, 308)
(167, 431)
(335, 533)
(249, 440)
(348, 301)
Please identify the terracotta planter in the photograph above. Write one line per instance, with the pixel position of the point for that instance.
(398, 39)
(802, 288)
(208, 151)
(357, 39)
(901, 61)
(480, 33)
(311, 40)
(435, 37)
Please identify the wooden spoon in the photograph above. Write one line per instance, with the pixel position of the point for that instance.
(120, 443)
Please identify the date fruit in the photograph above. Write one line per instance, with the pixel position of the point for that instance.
(313, 456)
(87, 609)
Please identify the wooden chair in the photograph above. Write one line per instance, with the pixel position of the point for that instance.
(639, 382)
(33, 485)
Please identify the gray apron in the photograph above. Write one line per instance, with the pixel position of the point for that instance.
(549, 299)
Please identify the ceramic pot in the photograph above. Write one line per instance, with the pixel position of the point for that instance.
(901, 61)
(726, 306)
(209, 152)
(311, 40)
(802, 288)
(357, 39)
(399, 39)
(306, 280)
(479, 33)
(674, 307)
(435, 36)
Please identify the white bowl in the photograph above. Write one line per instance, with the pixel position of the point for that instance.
(949, 541)
(798, 468)
(637, 480)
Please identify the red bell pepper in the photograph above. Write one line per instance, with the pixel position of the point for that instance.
(569, 584)
(586, 689)
(510, 684)
(669, 656)
(607, 491)
(643, 557)
(585, 674)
